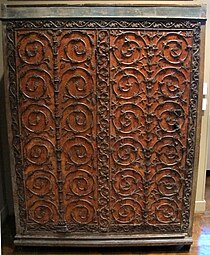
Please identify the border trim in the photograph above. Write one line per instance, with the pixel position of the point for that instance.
(83, 11)
(28, 241)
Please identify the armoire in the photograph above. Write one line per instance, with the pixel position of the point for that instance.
(103, 113)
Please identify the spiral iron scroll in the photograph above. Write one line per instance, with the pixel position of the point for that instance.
(103, 120)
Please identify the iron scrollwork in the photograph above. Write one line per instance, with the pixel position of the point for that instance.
(103, 115)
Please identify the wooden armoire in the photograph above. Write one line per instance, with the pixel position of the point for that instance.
(103, 110)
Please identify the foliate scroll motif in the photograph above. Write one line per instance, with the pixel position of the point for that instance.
(77, 108)
(37, 119)
(103, 119)
(128, 96)
(170, 97)
(103, 129)
(79, 118)
(150, 106)
(36, 85)
(34, 64)
(33, 48)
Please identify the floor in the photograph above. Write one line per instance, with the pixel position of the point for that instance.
(200, 246)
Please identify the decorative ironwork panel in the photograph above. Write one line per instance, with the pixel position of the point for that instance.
(103, 119)
(35, 92)
(77, 110)
(151, 75)
(103, 131)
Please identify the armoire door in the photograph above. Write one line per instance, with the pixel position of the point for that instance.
(104, 117)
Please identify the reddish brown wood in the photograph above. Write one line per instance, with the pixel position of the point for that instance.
(106, 123)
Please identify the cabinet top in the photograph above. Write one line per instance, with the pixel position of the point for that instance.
(102, 11)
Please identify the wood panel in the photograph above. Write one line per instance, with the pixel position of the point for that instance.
(150, 78)
(104, 122)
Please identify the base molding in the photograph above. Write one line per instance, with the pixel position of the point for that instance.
(200, 206)
(67, 242)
